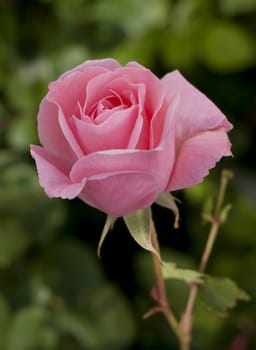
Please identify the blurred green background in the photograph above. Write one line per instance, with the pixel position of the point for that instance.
(55, 294)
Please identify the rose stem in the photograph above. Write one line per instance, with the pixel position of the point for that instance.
(161, 295)
(186, 323)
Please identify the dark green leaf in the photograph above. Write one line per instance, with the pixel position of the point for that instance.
(170, 270)
(221, 294)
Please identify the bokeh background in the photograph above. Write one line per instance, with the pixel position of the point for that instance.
(54, 291)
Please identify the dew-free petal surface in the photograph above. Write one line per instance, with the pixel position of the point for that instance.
(53, 175)
(197, 155)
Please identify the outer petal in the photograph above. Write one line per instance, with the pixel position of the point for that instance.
(62, 100)
(121, 193)
(107, 63)
(50, 133)
(66, 93)
(106, 163)
(195, 112)
(68, 132)
(53, 175)
(197, 155)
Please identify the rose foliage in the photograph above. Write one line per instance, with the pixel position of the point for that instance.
(118, 137)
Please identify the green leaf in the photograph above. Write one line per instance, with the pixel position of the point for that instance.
(167, 200)
(208, 207)
(221, 294)
(138, 224)
(110, 221)
(224, 213)
(170, 270)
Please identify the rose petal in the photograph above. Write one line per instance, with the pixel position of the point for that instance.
(134, 64)
(197, 155)
(154, 101)
(108, 63)
(110, 83)
(69, 135)
(112, 134)
(66, 93)
(154, 89)
(50, 133)
(53, 175)
(121, 193)
(195, 112)
(157, 163)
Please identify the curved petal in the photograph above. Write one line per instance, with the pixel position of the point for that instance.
(134, 64)
(154, 89)
(154, 105)
(112, 134)
(68, 132)
(197, 155)
(195, 112)
(121, 193)
(108, 63)
(66, 93)
(50, 133)
(99, 164)
(113, 83)
(53, 175)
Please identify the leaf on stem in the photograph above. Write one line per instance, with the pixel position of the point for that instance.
(170, 270)
(221, 294)
(224, 213)
(138, 224)
(167, 200)
(110, 221)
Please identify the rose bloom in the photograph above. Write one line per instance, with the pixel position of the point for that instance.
(117, 137)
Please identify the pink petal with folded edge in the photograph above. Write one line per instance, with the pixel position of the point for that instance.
(195, 112)
(110, 83)
(120, 193)
(107, 63)
(154, 88)
(53, 175)
(197, 155)
(50, 133)
(105, 163)
(111, 134)
(67, 92)
(68, 132)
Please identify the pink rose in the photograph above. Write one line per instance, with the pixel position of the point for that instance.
(117, 137)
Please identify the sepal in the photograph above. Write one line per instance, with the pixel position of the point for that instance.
(139, 226)
(109, 223)
(167, 200)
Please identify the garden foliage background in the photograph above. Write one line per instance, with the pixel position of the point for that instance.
(54, 291)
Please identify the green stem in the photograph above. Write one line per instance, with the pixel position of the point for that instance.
(186, 321)
(161, 294)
